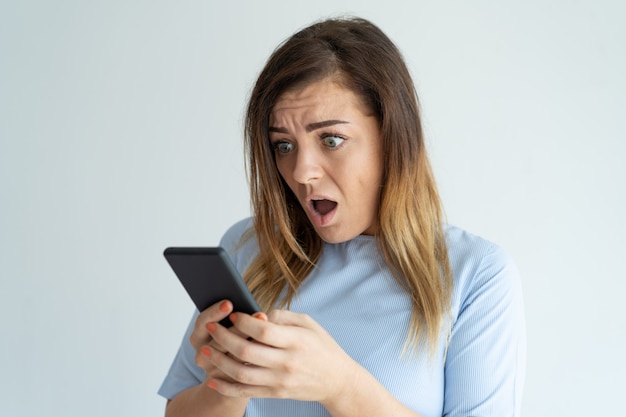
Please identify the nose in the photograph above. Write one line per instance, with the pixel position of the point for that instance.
(307, 165)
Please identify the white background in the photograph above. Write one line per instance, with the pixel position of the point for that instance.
(120, 129)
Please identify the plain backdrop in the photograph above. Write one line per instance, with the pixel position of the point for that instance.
(120, 134)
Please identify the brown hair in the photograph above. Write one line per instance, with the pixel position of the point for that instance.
(363, 59)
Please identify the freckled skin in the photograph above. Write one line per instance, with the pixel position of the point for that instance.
(328, 145)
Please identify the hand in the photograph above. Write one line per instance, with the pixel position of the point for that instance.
(289, 356)
(202, 341)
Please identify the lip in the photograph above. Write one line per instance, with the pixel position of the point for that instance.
(316, 218)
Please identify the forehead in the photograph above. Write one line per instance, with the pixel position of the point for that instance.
(316, 100)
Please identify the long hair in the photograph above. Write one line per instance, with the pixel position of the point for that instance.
(410, 232)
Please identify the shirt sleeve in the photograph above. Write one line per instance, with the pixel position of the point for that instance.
(485, 363)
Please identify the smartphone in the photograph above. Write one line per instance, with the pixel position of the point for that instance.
(208, 275)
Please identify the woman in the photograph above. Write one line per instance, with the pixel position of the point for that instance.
(375, 308)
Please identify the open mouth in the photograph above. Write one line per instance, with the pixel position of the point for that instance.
(323, 206)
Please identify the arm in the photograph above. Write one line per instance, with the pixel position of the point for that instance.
(484, 369)
(365, 396)
(203, 401)
(294, 357)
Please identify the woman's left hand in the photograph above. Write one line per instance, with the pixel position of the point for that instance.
(288, 356)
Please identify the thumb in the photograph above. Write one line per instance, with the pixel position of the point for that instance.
(261, 316)
(289, 318)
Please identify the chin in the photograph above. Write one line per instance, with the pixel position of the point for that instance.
(336, 236)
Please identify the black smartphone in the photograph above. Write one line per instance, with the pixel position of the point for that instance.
(209, 276)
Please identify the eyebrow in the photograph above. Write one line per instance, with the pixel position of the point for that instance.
(311, 126)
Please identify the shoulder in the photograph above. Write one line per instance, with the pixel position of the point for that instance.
(480, 268)
(471, 253)
(466, 246)
(241, 243)
(235, 234)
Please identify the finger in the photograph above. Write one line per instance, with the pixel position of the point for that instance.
(216, 345)
(244, 373)
(262, 331)
(289, 318)
(245, 348)
(202, 358)
(260, 316)
(218, 311)
(228, 339)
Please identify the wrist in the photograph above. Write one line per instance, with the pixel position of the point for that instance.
(344, 389)
(202, 400)
(359, 393)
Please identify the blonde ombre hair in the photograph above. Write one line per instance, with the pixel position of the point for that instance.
(359, 56)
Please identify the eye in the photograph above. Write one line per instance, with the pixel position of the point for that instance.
(282, 147)
(332, 141)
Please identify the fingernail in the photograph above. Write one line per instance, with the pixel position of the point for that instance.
(211, 384)
(259, 316)
(233, 317)
(210, 327)
(206, 351)
(225, 306)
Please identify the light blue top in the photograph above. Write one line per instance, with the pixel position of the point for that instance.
(354, 297)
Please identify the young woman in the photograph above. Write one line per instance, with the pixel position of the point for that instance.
(373, 306)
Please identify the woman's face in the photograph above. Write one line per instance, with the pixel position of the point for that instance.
(329, 152)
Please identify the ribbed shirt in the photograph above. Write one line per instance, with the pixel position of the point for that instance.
(352, 294)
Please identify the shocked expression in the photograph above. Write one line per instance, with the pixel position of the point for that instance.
(328, 150)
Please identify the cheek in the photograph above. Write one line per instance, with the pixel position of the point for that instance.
(374, 181)
(375, 171)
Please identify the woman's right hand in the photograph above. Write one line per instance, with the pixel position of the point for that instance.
(201, 400)
(201, 340)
